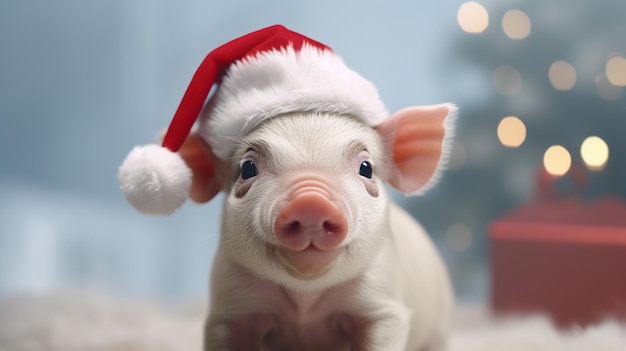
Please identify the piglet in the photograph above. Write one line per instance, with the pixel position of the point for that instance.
(313, 254)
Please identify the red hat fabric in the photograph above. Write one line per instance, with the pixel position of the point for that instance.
(215, 65)
(260, 75)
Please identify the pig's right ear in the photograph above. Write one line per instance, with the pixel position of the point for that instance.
(419, 139)
(200, 159)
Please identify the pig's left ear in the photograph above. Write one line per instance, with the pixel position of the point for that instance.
(419, 139)
(199, 157)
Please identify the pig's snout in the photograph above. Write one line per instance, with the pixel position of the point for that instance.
(310, 219)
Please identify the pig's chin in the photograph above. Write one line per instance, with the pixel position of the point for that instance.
(308, 264)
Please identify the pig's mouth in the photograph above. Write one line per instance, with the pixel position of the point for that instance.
(308, 264)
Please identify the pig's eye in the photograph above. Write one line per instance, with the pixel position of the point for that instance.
(366, 169)
(248, 170)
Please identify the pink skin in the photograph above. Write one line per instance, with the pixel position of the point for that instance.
(310, 227)
(306, 322)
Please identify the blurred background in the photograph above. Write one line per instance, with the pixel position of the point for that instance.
(539, 84)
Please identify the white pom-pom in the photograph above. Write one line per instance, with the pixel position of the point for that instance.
(154, 179)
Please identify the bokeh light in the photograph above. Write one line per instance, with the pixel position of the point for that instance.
(473, 17)
(562, 75)
(606, 90)
(511, 131)
(516, 24)
(616, 71)
(507, 80)
(557, 160)
(458, 237)
(595, 153)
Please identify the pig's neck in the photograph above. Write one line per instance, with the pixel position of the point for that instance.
(304, 303)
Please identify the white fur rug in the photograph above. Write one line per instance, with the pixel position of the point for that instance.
(95, 322)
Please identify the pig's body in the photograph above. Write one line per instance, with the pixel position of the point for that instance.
(384, 287)
(405, 286)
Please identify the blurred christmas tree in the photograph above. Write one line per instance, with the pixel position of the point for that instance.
(556, 72)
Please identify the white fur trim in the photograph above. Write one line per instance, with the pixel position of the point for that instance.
(284, 81)
(154, 180)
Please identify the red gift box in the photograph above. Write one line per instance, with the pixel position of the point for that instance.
(562, 257)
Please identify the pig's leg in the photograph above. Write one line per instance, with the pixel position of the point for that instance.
(384, 329)
(244, 333)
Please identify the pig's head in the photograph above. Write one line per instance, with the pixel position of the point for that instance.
(306, 205)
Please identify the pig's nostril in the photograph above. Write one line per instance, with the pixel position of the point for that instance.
(331, 228)
(293, 227)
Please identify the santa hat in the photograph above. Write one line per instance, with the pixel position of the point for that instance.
(265, 73)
